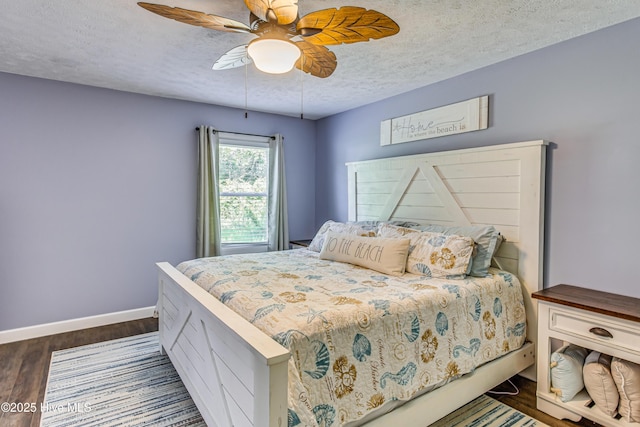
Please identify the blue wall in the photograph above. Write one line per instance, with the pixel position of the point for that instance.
(97, 185)
(583, 96)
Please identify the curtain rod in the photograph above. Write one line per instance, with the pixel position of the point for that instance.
(240, 133)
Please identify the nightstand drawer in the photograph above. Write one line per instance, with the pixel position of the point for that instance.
(601, 330)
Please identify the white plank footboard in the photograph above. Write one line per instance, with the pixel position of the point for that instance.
(236, 374)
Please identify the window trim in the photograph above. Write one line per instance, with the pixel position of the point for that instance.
(243, 248)
(227, 194)
(239, 140)
(226, 138)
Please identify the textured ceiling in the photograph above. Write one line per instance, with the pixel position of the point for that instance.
(116, 44)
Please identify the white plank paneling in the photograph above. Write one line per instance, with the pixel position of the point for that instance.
(443, 190)
(481, 169)
(400, 186)
(465, 200)
(485, 184)
(383, 175)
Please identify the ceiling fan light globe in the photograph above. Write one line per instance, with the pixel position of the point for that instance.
(273, 56)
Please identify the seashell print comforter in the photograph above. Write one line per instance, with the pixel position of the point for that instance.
(361, 340)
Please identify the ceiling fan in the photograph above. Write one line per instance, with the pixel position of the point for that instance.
(285, 37)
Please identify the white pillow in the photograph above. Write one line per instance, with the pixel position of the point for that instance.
(387, 256)
(599, 382)
(627, 378)
(566, 371)
(338, 227)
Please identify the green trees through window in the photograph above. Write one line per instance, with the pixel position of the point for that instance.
(244, 177)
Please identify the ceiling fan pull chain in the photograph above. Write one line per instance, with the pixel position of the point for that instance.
(246, 66)
(302, 88)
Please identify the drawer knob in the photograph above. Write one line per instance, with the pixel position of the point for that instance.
(601, 332)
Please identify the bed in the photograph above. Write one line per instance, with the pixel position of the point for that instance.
(238, 375)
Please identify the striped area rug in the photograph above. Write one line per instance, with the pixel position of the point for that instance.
(124, 382)
(487, 412)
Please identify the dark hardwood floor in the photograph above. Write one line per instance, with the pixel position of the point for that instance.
(25, 364)
(525, 402)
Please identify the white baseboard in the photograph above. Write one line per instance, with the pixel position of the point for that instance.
(36, 331)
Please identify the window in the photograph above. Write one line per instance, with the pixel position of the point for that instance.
(244, 189)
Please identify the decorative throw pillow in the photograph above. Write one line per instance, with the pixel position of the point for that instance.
(433, 254)
(387, 256)
(338, 227)
(392, 230)
(485, 237)
(599, 382)
(373, 225)
(627, 378)
(566, 371)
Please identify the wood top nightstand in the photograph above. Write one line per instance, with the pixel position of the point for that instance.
(297, 244)
(596, 320)
(614, 305)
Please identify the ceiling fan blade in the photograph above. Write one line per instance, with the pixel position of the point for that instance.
(348, 24)
(283, 11)
(199, 19)
(236, 57)
(316, 60)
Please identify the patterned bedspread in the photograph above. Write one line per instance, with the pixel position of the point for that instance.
(361, 340)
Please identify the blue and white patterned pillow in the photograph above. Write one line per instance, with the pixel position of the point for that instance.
(434, 254)
(486, 238)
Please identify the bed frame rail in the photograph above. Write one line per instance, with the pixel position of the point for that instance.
(228, 365)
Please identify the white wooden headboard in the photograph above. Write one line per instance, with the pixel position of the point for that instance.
(499, 185)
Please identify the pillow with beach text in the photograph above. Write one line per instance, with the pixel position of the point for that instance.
(388, 256)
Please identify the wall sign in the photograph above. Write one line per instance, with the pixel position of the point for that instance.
(465, 116)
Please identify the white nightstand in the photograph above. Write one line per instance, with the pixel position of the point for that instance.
(297, 244)
(600, 321)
